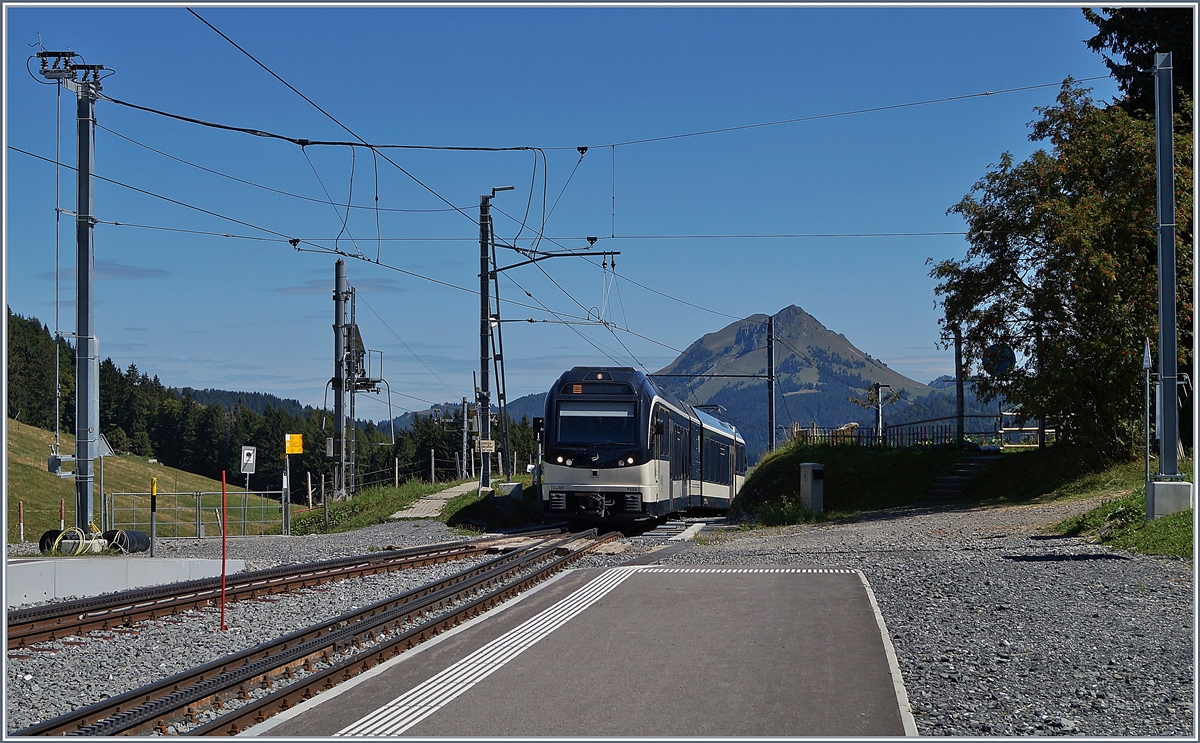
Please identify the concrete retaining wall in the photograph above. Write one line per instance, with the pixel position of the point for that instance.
(37, 579)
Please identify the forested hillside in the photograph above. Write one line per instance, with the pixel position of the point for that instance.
(140, 415)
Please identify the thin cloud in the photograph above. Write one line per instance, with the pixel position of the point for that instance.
(325, 286)
(112, 271)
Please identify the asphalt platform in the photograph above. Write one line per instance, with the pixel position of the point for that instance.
(639, 651)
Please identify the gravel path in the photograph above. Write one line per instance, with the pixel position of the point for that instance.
(999, 630)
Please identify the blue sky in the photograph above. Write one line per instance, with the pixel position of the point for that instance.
(208, 311)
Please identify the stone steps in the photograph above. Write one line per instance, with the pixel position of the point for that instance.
(952, 485)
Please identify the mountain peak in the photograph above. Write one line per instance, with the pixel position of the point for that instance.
(817, 370)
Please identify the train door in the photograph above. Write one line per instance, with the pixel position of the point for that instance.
(733, 471)
(661, 432)
(696, 489)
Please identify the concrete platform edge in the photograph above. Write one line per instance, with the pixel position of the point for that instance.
(906, 715)
(34, 580)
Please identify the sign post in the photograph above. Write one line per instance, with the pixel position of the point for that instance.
(293, 443)
(249, 455)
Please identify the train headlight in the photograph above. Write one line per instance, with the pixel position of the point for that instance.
(568, 462)
(560, 460)
(630, 460)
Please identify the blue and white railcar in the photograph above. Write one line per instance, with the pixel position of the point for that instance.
(618, 447)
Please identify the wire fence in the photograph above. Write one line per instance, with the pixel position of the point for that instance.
(198, 515)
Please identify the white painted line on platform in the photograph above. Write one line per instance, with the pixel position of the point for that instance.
(906, 715)
(428, 697)
(325, 696)
(665, 569)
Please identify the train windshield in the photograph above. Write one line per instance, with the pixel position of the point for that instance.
(589, 423)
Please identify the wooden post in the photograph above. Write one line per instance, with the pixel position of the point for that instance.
(432, 467)
(396, 473)
(62, 514)
(309, 477)
(21, 518)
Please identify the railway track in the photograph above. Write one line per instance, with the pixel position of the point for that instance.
(299, 665)
(64, 619)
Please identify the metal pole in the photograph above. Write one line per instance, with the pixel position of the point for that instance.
(1168, 457)
(462, 472)
(432, 467)
(958, 388)
(878, 413)
(771, 383)
(341, 289)
(485, 328)
(153, 513)
(325, 504)
(287, 494)
(352, 385)
(1146, 365)
(87, 369)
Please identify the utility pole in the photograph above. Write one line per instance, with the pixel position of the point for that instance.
(879, 411)
(1171, 494)
(1164, 136)
(87, 351)
(341, 291)
(462, 468)
(958, 388)
(771, 383)
(485, 330)
(353, 363)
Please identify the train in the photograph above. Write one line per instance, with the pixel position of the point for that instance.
(618, 447)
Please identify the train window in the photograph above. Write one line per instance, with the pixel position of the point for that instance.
(592, 423)
(596, 388)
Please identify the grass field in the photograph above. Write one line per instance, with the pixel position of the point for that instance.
(30, 483)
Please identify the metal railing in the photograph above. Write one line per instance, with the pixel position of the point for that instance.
(198, 514)
(926, 433)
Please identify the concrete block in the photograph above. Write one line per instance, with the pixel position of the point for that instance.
(812, 486)
(1166, 498)
(507, 494)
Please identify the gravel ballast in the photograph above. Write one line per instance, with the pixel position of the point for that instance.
(998, 629)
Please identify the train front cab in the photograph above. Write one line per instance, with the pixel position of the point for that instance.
(618, 448)
(598, 461)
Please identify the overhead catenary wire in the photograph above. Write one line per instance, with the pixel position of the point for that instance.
(281, 237)
(264, 187)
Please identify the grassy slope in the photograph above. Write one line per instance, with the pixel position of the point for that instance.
(860, 479)
(28, 481)
(371, 506)
(856, 479)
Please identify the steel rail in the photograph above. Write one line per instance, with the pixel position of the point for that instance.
(143, 708)
(56, 621)
(283, 699)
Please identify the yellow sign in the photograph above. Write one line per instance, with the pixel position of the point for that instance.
(293, 443)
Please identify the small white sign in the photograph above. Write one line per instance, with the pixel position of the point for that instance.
(249, 454)
(486, 446)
